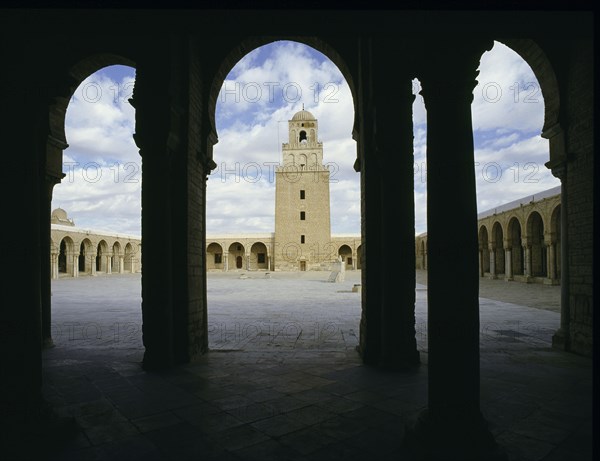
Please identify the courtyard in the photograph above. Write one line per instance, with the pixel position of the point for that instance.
(283, 380)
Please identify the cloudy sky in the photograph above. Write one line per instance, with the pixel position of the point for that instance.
(101, 189)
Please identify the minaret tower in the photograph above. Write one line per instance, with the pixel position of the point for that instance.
(302, 214)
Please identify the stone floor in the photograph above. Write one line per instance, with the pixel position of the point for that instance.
(283, 380)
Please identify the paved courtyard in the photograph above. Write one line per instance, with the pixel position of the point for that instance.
(283, 380)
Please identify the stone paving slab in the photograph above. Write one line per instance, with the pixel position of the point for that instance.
(287, 383)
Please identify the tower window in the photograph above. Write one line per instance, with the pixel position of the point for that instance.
(302, 195)
(302, 136)
(302, 239)
(302, 215)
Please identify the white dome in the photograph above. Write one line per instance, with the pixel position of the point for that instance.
(303, 115)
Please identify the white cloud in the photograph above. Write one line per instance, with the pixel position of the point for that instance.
(100, 124)
(507, 95)
(508, 114)
(251, 130)
(102, 186)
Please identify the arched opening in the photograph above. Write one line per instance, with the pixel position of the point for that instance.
(65, 250)
(256, 123)
(237, 254)
(87, 257)
(515, 242)
(129, 258)
(117, 258)
(346, 253)
(536, 245)
(498, 248)
(259, 259)
(214, 257)
(102, 262)
(92, 127)
(484, 252)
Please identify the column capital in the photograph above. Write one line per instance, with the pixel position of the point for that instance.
(151, 101)
(559, 170)
(558, 152)
(449, 70)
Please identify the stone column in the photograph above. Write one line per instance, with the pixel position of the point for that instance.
(528, 262)
(492, 261)
(562, 338)
(480, 254)
(225, 261)
(452, 427)
(76, 265)
(551, 268)
(109, 264)
(24, 123)
(152, 128)
(371, 222)
(394, 151)
(52, 176)
(54, 257)
(93, 264)
(508, 263)
(121, 264)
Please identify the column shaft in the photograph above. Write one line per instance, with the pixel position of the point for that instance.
(151, 101)
(492, 263)
(372, 264)
(453, 315)
(394, 137)
(562, 338)
(528, 261)
(452, 427)
(508, 264)
(551, 262)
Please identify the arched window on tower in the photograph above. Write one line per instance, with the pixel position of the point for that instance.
(302, 137)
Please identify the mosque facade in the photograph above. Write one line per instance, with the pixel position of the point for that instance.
(518, 241)
(76, 251)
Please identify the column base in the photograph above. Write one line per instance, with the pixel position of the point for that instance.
(154, 361)
(560, 340)
(455, 436)
(401, 362)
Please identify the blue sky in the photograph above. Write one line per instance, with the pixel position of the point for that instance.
(261, 93)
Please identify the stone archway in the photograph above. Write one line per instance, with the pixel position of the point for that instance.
(536, 247)
(484, 252)
(498, 249)
(515, 240)
(214, 257)
(346, 254)
(259, 259)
